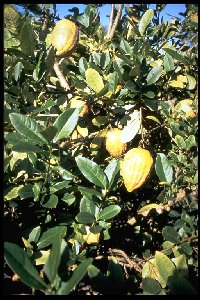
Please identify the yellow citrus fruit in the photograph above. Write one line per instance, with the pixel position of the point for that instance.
(135, 168)
(78, 103)
(113, 142)
(64, 37)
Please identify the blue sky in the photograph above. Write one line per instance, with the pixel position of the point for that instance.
(170, 9)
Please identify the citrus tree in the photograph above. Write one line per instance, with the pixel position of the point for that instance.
(100, 151)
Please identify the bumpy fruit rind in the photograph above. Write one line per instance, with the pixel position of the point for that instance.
(64, 37)
(78, 103)
(135, 168)
(186, 106)
(113, 142)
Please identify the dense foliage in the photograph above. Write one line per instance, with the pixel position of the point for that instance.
(70, 225)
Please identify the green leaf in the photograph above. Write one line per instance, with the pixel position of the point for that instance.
(92, 171)
(85, 218)
(181, 265)
(181, 286)
(65, 174)
(163, 168)
(27, 127)
(88, 206)
(27, 39)
(186, 248)
(14, 137)
(18, 70)
(94, 80)
(112, 172)
(13, 193)
(179, 140)
(175, 54)
(154, 75)
(126, 47)
(167, 247)
(105, 59)
(83, 65)
(190, 142)
(78, 274)
(113, 81)
(118, 67)
(45, 106)
(26, 191)
(34, 234)
(89, 193)
(11, 19)
(51, 201)
(109, 212)
(191, 82)
(20, 263)
(116, 276)
(52, 264)
(145, 20)
(170, 234)
(100, 281)
(48, 236)
(168, 63)
(65, 123)
(165, 266)
(68, 198)
(151, 286)
(26, 147)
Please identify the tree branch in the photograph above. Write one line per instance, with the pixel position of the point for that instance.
(61, 77)
(46, 20)
(110, 20)
(118, 16)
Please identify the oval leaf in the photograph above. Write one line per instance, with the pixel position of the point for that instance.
(165, 266)
(85, 218)
(48, 236)
(27, 39)
(94, 80)
(79, 272)
(151, 286)
(145, 20)
(168, 63)
(92, 171)
(109, 212)
(51, 266)
(27, 127)
(154, 75)
(175, 54)
(112, 172)
(170, 234)
(163, 168)
(66, 123)
(88, 206)
(20, 263)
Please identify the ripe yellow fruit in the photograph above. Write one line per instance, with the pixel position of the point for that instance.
(113, 142)
(186, 106)
(135, 168)
(64, 37)
(78, 103)
(90, 237)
